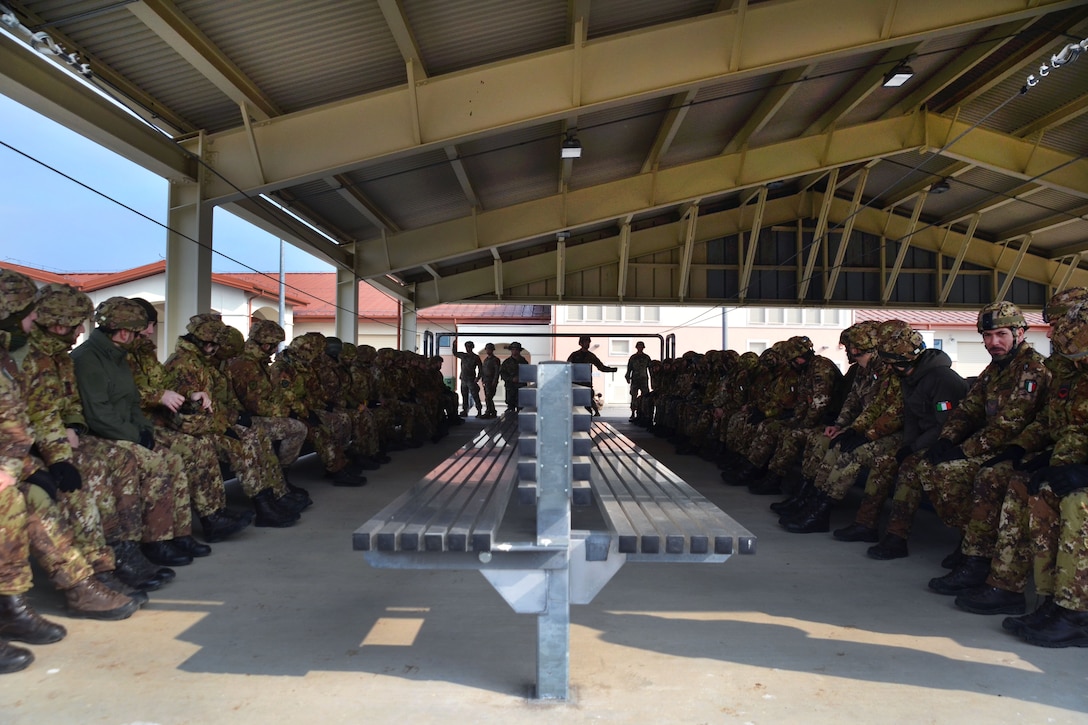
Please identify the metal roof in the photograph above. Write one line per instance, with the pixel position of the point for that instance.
(422, 138)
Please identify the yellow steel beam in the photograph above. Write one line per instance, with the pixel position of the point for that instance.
(753, 244)
(1015, 269)
(785, 85)
(617, 69)
(950, 278)
(819, 238)
(844, 238)
(904, 244)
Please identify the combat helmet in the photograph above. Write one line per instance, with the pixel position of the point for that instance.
(1070, 336)
(797, 346)
(205, 327)
(863, 335)
(120, 313)
(266, 332)
(16, 294)
(898, 342)
(1000, 314)
(63, 305)
(1060, 303)
(231, 343)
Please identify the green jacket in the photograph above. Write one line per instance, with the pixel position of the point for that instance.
(111, 400)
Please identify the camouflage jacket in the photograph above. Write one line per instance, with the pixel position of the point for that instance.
(508, 369)
(51, 395)
(861, 392)
(298, 383)
(250, 376)
(883, 413)
(190, 371)
(1005, 398)
(1063, 418)
(489, 369)
(816, 388)
(16, 437)
(150, 375)
(638, 368)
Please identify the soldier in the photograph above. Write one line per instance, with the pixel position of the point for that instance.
(469, 378)
(508, 371)
(584, 355)
(638, 377)
(489, 376)
(98, 481)
(1054, 438)
(163, 406)
(1004, 399)
(192, 368)
(111, 406)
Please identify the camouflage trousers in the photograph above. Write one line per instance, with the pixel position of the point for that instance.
(331, 439)
(15, 573)
(737, 431)
(762, 445)
(490, 388)
(51, 540)
(795, 445)
(638, 387)
(164, 490)
(841, 470)
(205, 480)
(949, 485)
(364, 438)
(1027, 538)
(251, 457)
(385, 425)
(470, 393)
(988, 494)
(812, 459)
(288, 432)
(111, 475)
(1071, 565)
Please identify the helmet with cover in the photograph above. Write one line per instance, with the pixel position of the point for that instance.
(1000, 314)
(798, 346)
(62, 305)
(120, 313)
(1061, 303)
(863, 335)
(266, 332)
(898, 342)
(231, 343)
(205, 327)
(149, 309)
(1070, 334)
(16, 294)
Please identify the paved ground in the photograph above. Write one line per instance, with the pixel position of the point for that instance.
(294, 626)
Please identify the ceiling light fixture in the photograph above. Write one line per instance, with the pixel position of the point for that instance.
(898, 75)
(572, 147)
(940, 187)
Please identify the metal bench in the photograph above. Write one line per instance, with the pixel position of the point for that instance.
(549, 513)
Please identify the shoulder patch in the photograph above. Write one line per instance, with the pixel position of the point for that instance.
(1063, 392)
(943, 405)
(1030, 386)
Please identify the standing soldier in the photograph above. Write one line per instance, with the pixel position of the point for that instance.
(470, 379)
(584, 355)
(489, 376)
(508, 371)
(638, 377)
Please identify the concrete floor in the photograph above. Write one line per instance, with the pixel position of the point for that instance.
(293, 626)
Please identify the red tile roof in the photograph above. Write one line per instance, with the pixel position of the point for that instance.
(930, 319)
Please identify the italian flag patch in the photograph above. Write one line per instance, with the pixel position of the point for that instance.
(1029, 386)
(944, 405)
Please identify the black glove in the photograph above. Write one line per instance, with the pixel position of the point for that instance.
(1012, 453)
(786, 414)
(44, 481)
(229, 433)
(944, 451)
(756, 417)
(1032, 465)
(244, 419)
(66, 475)
(1064, 480)
(147, 439)
(313, 419)
(330, 407)
(849, 440)
(1041, 476)
(902, 453)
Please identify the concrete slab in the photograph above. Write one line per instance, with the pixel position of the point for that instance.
(293, 626)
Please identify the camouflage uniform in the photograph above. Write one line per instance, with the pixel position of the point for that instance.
(638, 377)
(508, 371)
(996, 409)
(489, 376)
(469, 377)
(336, 385)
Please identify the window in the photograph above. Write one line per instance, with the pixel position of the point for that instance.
(632, 314)
(612, 313)
(651, 314)
(757, 316)
(575, 313)
(757, 346)
(812, 317)
(594, 313)
(619, 348)
(793, 316)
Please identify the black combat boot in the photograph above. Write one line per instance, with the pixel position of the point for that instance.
(133, 568)
(892, 546)
(814, 518)
(991, 600)
(797, 501)
(954, 558)
(1063, 628)
(14, 659)
(269, 514)
(1043, 612)
(163, 553)
(19, 622)
(769, 485)
(857, 532)
(346, 477)
(219, 526)
(971, 573)
(192, 547)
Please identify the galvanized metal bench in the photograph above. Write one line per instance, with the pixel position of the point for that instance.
(548, 505)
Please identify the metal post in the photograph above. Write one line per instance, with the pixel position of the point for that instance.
(555, 429)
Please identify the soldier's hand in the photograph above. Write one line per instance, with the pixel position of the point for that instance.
(230, 433)
(944, 451)
(1032, 465)
(172, 400)
(831, 431)
(244, 419)
(1064, 480)
(756, 416)
(313, 419)
(902, 453)
(850, 440)
(204, 399)
(44, 481)
(147, 439)
(66, 476)
(1011, 453)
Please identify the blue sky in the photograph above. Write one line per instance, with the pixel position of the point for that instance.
(52, 223)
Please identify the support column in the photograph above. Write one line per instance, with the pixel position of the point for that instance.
(408, 332)
(188, 258)
(347, 306)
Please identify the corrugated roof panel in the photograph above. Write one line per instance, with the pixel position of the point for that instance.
(715, 115)
(331, 206)
(608, 17)
(335, 50)
(514, 167)
(419, 197)
(616, 141)
(1074, 234)
(456, 34)
(1071, 137)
